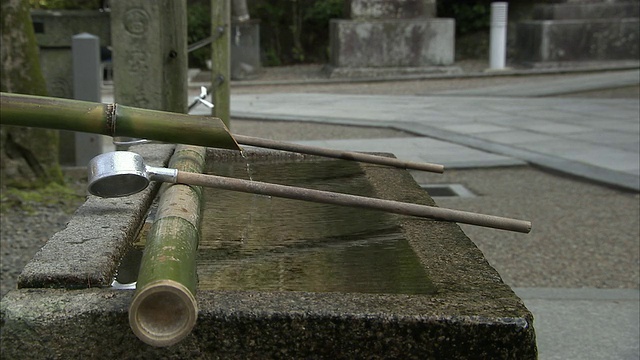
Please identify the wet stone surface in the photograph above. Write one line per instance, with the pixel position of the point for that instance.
(470, 313)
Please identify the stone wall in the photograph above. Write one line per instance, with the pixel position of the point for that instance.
(578, 32)
(54, 30)
(394, 35)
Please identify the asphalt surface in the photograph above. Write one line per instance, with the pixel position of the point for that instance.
(558, 148)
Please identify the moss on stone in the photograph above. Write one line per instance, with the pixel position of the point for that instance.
(28, 155)
(30, 200)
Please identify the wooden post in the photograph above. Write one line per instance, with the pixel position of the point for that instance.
(220, 59)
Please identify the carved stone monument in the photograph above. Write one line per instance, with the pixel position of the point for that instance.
(150, 54)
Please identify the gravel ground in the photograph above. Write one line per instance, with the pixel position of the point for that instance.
(584, 235)
(24, 229)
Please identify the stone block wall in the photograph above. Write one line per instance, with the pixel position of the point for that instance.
(54, 30)
(395, 34)
(392, 43)
(575, 32)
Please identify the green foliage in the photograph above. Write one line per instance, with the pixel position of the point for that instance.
(66, 4)
(316, 19)
(198, 28)
(295, 31)
(470, 15)
(270, 57)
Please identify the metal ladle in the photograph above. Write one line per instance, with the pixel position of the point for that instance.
(123, 173)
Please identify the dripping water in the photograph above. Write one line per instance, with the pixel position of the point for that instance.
(246, 233)
(248, 167)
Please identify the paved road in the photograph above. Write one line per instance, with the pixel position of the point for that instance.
(593, 138)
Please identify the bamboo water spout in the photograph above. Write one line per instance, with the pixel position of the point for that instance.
(123, 173)
(119, 120)
(114, 120)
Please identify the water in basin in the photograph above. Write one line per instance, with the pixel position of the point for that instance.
(255, 242)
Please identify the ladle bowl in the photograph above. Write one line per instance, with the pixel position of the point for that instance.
(123, 173)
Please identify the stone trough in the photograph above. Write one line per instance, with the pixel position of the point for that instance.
(450, 304)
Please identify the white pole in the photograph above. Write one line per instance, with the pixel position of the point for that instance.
(498, 35)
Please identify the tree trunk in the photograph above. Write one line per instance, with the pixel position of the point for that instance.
(28, 156)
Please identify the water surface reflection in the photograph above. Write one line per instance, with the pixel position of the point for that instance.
(255, 242)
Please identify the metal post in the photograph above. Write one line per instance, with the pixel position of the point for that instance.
(85, 49)
(498, 35)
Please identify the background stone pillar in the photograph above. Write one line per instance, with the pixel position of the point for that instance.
(150, 53)
(87, 81)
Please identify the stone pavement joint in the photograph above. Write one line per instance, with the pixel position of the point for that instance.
(561, 134)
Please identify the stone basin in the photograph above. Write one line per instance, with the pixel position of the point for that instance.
(443, 301)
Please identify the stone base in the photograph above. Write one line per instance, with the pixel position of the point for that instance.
(70, 313)
(389, 72)
(587, 10)
(580, 32)
(578, 40)
(392, 43)
(583, 65)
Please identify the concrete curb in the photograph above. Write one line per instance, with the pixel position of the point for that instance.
(577, 68)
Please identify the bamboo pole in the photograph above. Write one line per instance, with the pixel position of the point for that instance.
(328, 197)
(114, 120)
(118, 120)
(338, 154)
(164, 309)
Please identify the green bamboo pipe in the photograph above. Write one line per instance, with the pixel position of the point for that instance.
(119, 120)
(114, 120)
(164, 310)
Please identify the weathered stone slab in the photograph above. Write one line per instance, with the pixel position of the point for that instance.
(87, 252)
(595, 10)
(578, 40)
(54, 30)
(392, 43)
(471, 314)
(579, 32)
